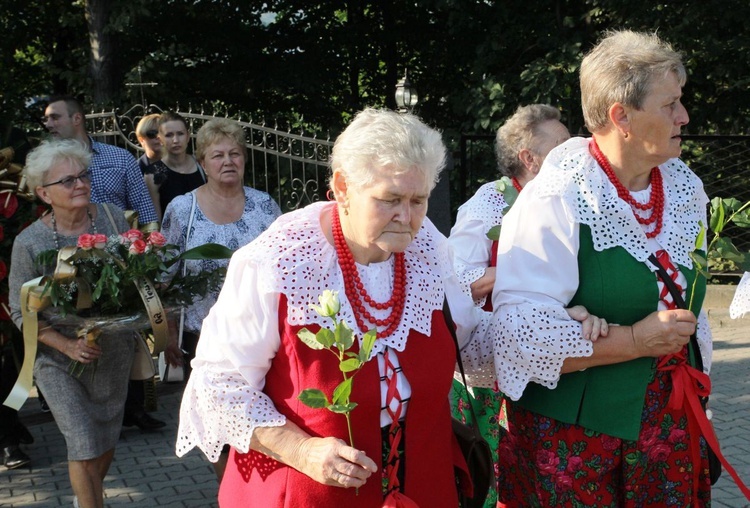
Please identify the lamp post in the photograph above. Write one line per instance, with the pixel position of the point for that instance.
(406, 96)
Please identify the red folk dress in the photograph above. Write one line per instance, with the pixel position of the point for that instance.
(250, 367)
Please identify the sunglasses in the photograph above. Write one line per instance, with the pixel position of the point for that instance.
(152, 134)
(70, 181)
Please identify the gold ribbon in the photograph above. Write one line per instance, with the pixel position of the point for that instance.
(131, 217)
(31, 300)
(156, 313)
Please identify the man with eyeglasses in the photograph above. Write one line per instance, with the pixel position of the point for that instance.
(114, 172)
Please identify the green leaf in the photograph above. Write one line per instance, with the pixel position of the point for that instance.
(505, 187)
(342, 392)
(325, 337)
(368, 341)
(309, 338)
(342, 408)
(699, 259)
(717, 220)
(313, 398)
(494, 232)
(726, 249)
(205, 251)
(731, 205)
(350, 365)
(344, 336)
(701, 238)
(742, 219)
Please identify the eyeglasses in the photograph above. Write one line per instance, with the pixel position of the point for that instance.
(152, 134)
(70, 181)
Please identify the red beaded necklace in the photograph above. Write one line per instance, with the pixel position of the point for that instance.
(655, 203)
(356, 292)
(516, 185)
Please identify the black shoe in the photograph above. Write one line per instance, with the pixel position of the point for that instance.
(43, 405)
(23, 434)
(13, 457)
(143, 421)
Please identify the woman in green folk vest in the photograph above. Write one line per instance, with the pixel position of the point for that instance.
(590, 423)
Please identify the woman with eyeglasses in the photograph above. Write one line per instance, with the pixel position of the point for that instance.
(87, 409)
(177, 172)
(147, 133)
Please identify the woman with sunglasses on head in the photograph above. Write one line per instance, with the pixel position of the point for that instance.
(147, 133)
(177, 172)
(87, 409)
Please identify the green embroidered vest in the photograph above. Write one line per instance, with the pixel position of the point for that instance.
(608, 399)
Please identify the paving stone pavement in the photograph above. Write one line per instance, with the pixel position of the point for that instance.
(146, 472)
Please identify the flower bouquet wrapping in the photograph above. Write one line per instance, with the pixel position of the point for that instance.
(120, 283)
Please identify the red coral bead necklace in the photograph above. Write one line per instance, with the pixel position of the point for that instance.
(655, 203)
(355, 289)
(516, 184)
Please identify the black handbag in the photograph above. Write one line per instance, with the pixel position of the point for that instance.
(714, 464)
(473, 446)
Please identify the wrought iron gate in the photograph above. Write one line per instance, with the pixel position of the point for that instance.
(292, 168)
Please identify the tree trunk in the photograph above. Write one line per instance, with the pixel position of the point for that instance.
(101, 56)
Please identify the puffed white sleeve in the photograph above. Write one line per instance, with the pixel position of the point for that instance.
(471, 251)
(223, 401)
(537, 276)
(471, 326)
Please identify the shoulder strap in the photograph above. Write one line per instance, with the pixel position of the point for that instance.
(111, 219)
(452, 329)
(193, 202)
(680, 302)
(201, 170)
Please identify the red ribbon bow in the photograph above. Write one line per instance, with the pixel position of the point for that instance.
(688, 386)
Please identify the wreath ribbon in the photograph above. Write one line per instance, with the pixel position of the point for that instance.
(30, 293)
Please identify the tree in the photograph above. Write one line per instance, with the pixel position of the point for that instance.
(313, 64)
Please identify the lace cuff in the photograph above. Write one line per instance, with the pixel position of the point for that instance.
(741, 302)
(532, 341)
(466, 277)
(705, 341)
(222, 409)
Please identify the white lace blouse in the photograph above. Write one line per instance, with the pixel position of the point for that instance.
(472, 249)
(224, 401)
(259, 212)
(537, 258)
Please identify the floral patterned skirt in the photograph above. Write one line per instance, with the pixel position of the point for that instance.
(548, 463)
(490, 410)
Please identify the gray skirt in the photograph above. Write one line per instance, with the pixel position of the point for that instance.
(87, 409)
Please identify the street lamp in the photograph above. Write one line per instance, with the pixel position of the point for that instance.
(406, 96)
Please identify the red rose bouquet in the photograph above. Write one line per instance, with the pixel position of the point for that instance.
(100, 277)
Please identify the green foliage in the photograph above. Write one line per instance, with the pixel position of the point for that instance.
(505, 187)
(720, 254)
(316, 63)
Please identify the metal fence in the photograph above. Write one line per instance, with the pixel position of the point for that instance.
(292, 168)
(722, 162)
